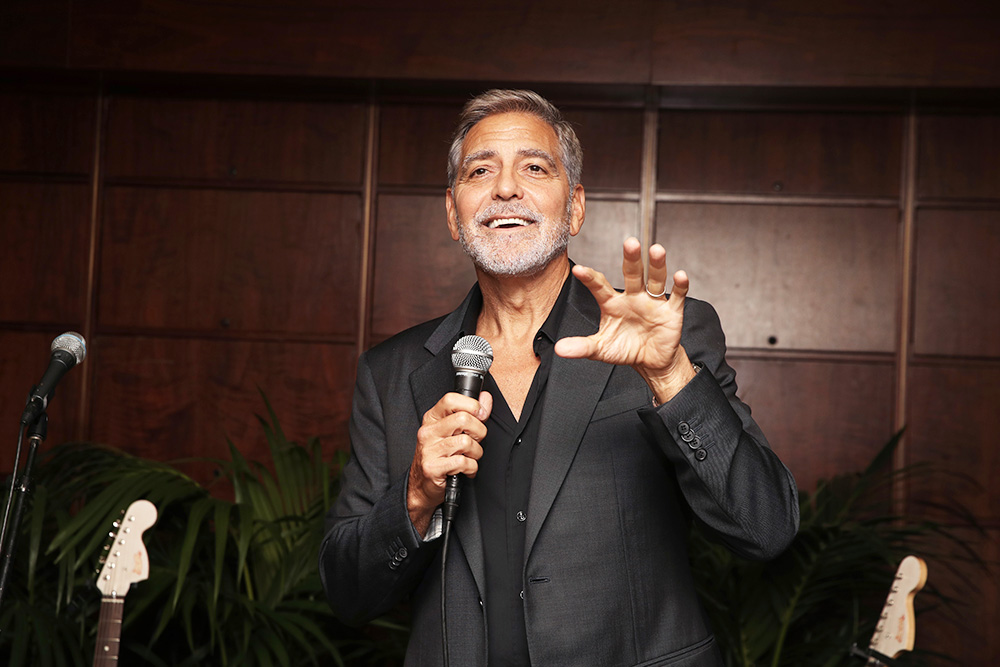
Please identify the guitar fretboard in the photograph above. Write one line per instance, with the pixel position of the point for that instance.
(109, 632)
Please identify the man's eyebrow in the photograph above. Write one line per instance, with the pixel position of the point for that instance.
(489, 154)
(484, 154)
(540, 154)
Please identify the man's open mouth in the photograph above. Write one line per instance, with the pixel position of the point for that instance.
(507, 223)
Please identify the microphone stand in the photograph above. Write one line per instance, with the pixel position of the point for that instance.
(37, 431)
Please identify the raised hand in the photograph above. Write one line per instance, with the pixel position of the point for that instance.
(641, 327)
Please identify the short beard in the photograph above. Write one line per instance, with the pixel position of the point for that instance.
(491, 254)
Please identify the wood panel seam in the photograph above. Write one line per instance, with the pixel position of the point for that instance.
(368, 226)
(906, 279)
(650, 144)
(83, 423)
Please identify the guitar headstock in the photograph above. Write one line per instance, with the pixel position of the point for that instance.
(896, 629)
(125, 560)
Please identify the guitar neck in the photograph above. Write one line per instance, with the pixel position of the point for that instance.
(124, 563)
(109, 632)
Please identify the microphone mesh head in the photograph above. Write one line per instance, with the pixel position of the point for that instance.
(71, 342)
(472, 353)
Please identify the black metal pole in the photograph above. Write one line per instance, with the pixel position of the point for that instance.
(37, 431)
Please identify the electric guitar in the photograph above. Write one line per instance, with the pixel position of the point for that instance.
(125, 561)
(896, 628)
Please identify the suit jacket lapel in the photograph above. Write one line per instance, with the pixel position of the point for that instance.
(428, 384)
(572, 393)
(573, 390)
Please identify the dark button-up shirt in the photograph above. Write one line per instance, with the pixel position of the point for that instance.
(502, 488)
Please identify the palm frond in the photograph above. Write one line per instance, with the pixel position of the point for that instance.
(231, 581)
(824, 592)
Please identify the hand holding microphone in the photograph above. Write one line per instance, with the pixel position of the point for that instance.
(448, 439)
(471, 358)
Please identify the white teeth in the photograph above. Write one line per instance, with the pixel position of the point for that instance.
(493, 224)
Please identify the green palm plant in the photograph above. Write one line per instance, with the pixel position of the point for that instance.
(824, 593)
(235, 582)
(232, 582)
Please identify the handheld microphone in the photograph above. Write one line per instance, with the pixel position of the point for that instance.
(471, 357)
(68, 350)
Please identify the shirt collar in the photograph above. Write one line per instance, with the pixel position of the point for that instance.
(549, 328)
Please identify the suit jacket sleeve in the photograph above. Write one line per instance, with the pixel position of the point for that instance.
(371, 557)
(735, 485)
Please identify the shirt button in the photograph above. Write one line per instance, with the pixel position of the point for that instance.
(521, 517)
(522, 595)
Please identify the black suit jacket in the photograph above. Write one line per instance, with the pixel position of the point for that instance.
(615, 482)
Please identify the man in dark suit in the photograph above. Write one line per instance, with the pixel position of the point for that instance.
(608, 420)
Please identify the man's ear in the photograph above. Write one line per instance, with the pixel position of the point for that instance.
(449, 205)
(578, 210)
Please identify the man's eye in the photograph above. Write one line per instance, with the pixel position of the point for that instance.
(536, 169)
(478, 171)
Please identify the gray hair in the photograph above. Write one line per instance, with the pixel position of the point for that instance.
(498, 101)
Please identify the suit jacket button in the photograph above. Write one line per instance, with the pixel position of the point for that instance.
(695, 443)
(683, 428)
(700, 454)
(402, 553)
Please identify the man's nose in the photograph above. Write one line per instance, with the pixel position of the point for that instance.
(507, 185)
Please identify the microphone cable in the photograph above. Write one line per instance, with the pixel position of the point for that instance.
(471, 357)
(444, 604)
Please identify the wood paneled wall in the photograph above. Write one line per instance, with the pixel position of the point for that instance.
(661, 42)
(212, 237)
(212, 241)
